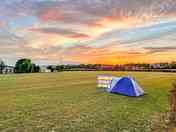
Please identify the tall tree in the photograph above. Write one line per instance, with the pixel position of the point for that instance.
(23, 66)
(50, 67)
(60, 68)
(2, 66)
(35, 68)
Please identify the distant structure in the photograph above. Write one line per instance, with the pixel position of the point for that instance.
(106, 67)
(8, 69)
(156, 66)
(44, 69)
(5, 69)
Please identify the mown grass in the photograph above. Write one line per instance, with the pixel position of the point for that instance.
(70, 102)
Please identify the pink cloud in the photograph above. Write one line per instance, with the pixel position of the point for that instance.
(79, 36)
(3, 24)
(51, 14)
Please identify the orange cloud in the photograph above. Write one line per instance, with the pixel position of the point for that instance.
(109, 23)
(119, 22)
(104, 55)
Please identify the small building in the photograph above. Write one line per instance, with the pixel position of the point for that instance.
(44, 69)
(8, 69)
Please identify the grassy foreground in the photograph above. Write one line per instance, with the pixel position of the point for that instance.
(70, 102)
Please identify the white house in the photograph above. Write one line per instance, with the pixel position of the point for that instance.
(44, 69)
(8, 69)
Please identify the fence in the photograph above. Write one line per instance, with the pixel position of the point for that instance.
(173, 98)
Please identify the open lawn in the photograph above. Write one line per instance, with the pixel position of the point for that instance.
(70, 102)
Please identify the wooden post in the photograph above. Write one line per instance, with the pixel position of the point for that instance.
(173, 104)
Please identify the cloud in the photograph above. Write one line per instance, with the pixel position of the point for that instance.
(136, 35)
(89, 12)
(51, 14)
(79, 54)
(79, 36)
(85, 11)
(8, 38)
(151, 50)
(60, 31)
(2, 24)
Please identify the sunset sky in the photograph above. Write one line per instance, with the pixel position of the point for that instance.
(88, 31)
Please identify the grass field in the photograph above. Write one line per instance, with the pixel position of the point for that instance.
(70, 102)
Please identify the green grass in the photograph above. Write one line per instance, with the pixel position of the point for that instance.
(70, 102)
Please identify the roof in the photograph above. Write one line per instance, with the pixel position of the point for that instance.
(9, 66)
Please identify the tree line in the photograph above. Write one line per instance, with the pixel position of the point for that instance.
(25, 65)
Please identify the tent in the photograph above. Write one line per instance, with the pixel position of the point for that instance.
(125, 86)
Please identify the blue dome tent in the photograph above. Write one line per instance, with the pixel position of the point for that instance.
(125, 86)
